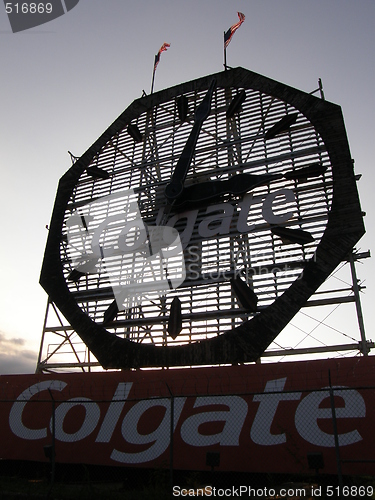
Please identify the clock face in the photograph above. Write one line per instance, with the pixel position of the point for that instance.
(212, 271)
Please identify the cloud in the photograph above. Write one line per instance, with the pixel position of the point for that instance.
(4, 342)
(22, 363)
(14, 359)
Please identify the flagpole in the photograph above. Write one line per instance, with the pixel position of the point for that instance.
(153, 76)
(225, 54)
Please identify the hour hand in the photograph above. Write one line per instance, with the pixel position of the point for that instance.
(242, 183)
(236, 185)
(176, 185)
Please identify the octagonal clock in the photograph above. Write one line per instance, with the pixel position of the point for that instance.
(201, 221)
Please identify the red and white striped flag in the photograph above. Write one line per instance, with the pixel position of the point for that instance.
(163, 48)
(228, 35)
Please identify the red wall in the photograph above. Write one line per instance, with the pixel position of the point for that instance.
(261, 418)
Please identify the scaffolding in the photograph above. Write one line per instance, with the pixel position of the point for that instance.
(61, 349)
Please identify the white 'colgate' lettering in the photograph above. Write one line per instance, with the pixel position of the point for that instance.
(261, 428)
(307, 414)
(159, 438)
(15, 416)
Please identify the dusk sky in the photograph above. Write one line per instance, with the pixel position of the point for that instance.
(63, 83)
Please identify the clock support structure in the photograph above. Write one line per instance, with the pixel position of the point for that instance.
(62, 350)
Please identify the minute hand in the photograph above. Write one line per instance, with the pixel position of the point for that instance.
(175, 187)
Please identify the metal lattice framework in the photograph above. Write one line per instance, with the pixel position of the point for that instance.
(62, 349)
(222, 238)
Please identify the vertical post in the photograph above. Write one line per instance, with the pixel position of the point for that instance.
(53, 425)
(38, 364)
(171, 442)
(364, 348)
(337, 445)
(321, 89)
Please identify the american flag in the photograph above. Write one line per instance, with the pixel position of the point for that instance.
(163, 48)
(228, 35)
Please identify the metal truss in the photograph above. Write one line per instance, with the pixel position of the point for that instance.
(62, 350)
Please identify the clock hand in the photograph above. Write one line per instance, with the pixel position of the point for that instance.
(242, 183)
(236, 185)
(176, 185)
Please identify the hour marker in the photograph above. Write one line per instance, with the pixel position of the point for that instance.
(281, 126)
